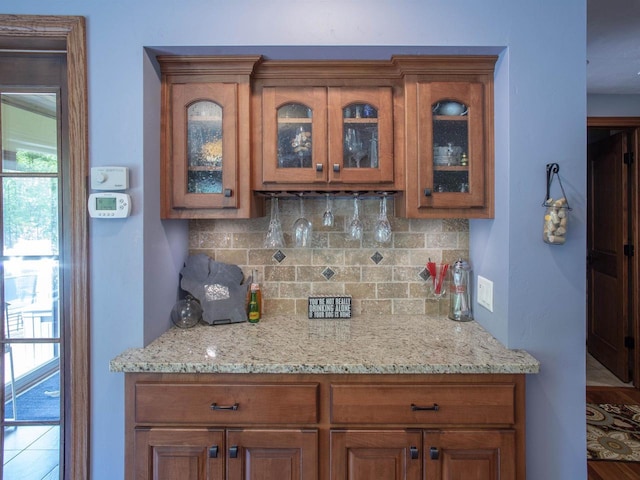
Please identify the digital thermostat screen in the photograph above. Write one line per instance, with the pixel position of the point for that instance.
(103, 203)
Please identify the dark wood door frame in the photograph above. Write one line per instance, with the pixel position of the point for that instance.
(69, 33)
(632, 124)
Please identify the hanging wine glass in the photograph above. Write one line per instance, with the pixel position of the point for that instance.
(302, 228)
(356, 226)
(327, 217)
(275, 236)
(382, 230)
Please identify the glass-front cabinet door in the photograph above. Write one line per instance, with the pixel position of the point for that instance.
(450, 146)
(204, 137)
(295, 135)
(361, 134)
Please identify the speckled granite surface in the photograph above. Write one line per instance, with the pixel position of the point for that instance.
(282, 344)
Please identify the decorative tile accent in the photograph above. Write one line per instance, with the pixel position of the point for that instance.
(328, 273)
(424, 274)
(377, 257)
(279, 256)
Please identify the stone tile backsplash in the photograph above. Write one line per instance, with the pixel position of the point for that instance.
(382, 279)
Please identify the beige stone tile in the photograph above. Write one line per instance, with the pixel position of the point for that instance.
(262, 256)
(442, 240)
(392, 290)
(420, 257)
(346, 274)
(305, 273)
(301, 305)
(279, 306)
(340, 240)
(194, 238)
(232, 256)
(295, 289)
(410, 306)
(376, 307)
(418, 289)
(360, 290)
(407, 274)
(450, 256)
(463, 240)
(377, 274)
(270, 289)
(328, 288)
(429, 225)
(409, 240)
(247, 240)
(455, 225)
(359, 256)
(400, 224)
(296, 256)
(327, 256)
(214, 240)
(279, 273)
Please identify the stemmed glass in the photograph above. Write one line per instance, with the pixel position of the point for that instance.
(275, 237)
(354, 146)
(327, 217)
(382, 230)
(302, 228)
(356, 226)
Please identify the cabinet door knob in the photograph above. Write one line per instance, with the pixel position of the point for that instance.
(336, 168)
(414, 452)
(228, 192)
(318, 167)
(427, 192)
(434, 453)
(213, 451)
(233, 451)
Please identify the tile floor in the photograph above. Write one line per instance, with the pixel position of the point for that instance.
(598, 375)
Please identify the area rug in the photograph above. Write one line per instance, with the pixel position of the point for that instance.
(613, 432)
(40, 402)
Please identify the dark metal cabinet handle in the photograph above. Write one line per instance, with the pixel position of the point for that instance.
(416, 408)
(427, 192)
(414, 452)
(434, 453)
(336, 168)
(213, 451)
(234, 407)
(228, 192)
(233, 451)
(319, 167)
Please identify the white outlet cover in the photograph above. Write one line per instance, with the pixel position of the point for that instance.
(485, 293)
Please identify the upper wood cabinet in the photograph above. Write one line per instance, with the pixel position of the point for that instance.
(449, 137)
(206, 137)
(336, 135)
(233, 126)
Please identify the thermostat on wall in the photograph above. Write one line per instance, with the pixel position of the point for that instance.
(109, 205)
(109, 178)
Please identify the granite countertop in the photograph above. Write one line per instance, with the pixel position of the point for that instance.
(397, 344)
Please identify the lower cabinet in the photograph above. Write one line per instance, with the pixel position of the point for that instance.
(416, 455)
(324, 427)
(234, 454)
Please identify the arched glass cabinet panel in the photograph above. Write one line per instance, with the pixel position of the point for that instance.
(204, 147)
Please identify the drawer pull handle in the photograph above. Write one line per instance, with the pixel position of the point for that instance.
(233, 451)
(213, 451)
(414, 452)
(318, 167)
(434, 453)
(234, 407)
(336, 168)
(416, 408)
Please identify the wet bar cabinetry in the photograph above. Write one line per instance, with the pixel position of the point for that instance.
(420, 126)
(310, 427)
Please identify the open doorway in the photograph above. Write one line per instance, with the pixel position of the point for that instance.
(613, 224)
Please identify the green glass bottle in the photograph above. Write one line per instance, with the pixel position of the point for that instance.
(254, 308)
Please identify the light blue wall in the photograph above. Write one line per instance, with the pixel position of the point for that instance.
(540, 118)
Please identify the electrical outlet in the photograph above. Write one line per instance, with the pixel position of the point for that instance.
(485, 293)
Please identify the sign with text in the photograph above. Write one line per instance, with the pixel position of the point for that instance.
(330, 307)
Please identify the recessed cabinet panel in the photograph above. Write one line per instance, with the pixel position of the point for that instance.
(204, 147)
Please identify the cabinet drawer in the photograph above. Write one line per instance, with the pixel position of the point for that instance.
(226, 404)
(423, 404)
